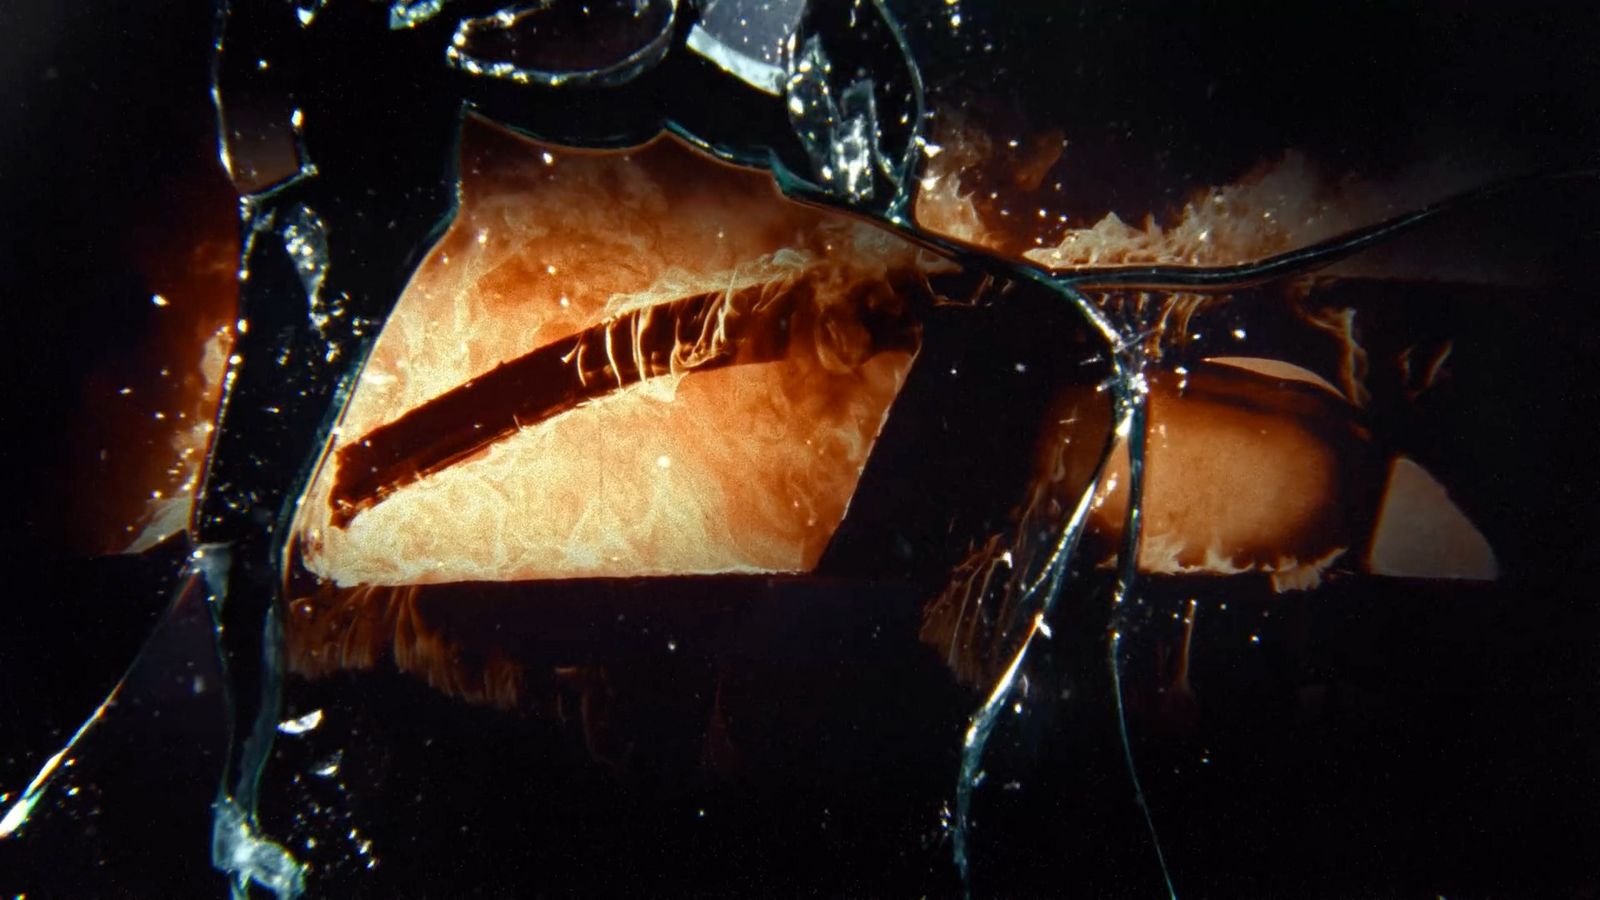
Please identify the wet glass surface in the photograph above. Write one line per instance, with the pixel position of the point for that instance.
(844, 448)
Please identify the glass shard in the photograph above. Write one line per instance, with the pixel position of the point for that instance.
(305, 241)
(301, 724)
(257, 122)
(239, 851)
(749, 39)
(841, 135)
(411, 13)
(669, 446)
(563, 42)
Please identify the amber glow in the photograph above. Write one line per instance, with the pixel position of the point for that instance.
(744, 468)
(1280, 205)
(1256, 467)
(147, 417)
(1244, 474)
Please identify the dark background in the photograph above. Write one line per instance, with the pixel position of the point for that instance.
(1452, 751)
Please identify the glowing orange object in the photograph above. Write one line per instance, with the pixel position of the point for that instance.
(625, 286)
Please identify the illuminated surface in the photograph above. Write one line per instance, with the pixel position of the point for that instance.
(700, 469)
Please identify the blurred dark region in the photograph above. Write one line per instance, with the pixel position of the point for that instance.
(1383, 739)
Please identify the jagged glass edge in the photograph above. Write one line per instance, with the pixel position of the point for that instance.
(764, 77)
(620, 72)
(405, 14)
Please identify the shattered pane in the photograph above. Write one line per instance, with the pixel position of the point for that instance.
(638, 447)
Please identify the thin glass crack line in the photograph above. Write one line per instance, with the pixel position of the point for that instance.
(1135, 402)
(1114, 660)
(17, 815)
(984, 720)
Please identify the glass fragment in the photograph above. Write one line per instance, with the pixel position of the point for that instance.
(748, 39)
(411, 13)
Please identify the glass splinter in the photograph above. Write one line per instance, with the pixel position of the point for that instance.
(479, 468)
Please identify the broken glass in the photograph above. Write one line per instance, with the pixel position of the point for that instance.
(677, 444)
(559, 44)
(411, 13)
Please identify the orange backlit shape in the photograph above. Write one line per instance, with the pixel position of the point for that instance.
(1245, 473)
(146, 417)
(728, 359)
(988, 194)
